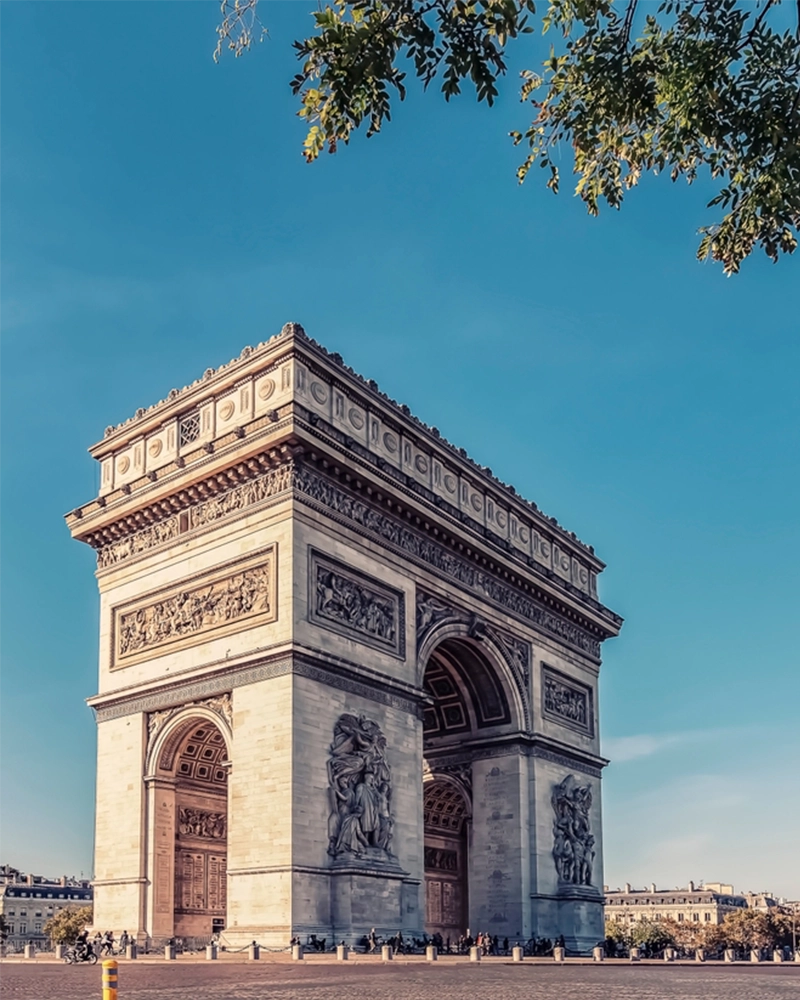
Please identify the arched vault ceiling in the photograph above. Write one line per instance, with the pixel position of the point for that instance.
(467, 694)
(445, 808)
(201, 756)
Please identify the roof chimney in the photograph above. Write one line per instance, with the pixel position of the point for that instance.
(29, 879)
(691, 886)
(627, 887)
(63, 879)
(652, 887)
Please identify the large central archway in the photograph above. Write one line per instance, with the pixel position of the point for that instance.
(468, 702)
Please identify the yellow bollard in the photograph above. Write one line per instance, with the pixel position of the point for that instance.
(109, 979)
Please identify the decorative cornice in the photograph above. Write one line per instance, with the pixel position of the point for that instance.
(267, 476)
(292, 334)
(520, 746)
(280, 665)
(200, 506)
(324, 494)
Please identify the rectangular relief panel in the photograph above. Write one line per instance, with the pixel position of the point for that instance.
(357, 606)
(237, 596)
(567, 701)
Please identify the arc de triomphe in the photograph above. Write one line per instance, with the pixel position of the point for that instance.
(348, 679)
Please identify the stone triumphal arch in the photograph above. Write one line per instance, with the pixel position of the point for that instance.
(348, 679)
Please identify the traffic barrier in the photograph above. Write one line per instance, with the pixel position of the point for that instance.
(59, 952)
(131, 951)
(755, 955)
(211, 952)
(669, 954)
(474, 954)
(110, 979)
(598, 954)
(431, 953)
(341, 952)
(777, 956)
(559, 954)
(730, 955)
(297, 953)
(700, 955)
(169, 952)
(386, 953)
(636, 955)
(253, 952)
(29, 951)
(517, 954)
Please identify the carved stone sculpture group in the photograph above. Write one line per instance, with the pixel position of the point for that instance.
(573, 842)
(194, 610)
(566, 701)
(343, 600)
(360, 790)
(201, 823)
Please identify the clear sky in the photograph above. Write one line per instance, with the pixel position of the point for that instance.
(157, 216)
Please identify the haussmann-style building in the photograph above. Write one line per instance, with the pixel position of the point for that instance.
(348, 679)
(707, 903)
(28, 901)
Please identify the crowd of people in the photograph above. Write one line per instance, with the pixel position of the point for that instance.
(488, 944)
(102, 945)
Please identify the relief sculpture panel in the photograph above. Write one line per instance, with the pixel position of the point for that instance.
(202, 823)
(567, 701)
(202, 608)
(343, 600)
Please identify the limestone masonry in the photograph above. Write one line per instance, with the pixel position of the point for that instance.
(348, 679)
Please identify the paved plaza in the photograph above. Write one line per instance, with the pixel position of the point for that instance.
(446, 980)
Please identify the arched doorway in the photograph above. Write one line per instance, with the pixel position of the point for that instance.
(191, 829)
(466, 701)
(446, 860)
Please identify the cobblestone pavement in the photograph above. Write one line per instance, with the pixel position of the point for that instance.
(413, 981)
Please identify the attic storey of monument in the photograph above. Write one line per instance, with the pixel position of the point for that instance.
(347, 677)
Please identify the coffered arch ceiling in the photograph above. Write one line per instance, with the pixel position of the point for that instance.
(465, 690)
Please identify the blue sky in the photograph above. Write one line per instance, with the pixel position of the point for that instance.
(157, 216)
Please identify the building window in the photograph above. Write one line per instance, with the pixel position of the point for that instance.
(23, 928)
(11, 913)
(680, 918)
(23, 913)
(10, 928)
(695, 916)
(38, 913)
(38, 927)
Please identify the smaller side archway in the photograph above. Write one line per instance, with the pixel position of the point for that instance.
(187, 778)
(447, 814)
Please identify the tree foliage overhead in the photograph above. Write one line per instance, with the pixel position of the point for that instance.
(676, 86)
